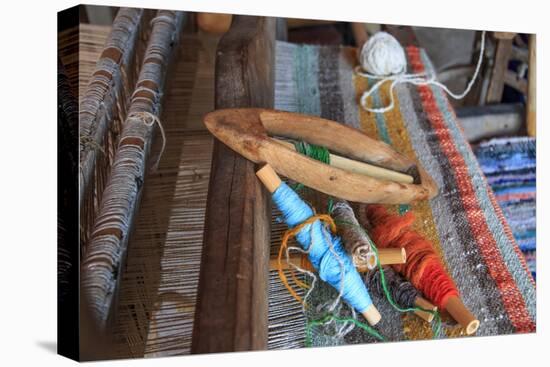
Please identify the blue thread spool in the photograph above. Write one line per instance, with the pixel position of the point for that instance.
(312, 238)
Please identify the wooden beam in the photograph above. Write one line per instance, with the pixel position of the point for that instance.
(403, 33)
(521, 54)
(496, 85)
(215, 23)
(232, 307)
(513, 80)
(359, 34)
(485, 122)
(504, 35)
(281, 29)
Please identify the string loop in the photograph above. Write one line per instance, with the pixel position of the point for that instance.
(415, 79)
(149, 119)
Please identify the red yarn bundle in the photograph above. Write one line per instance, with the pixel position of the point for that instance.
(423, 267)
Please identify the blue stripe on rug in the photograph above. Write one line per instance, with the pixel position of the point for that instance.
(510, 167)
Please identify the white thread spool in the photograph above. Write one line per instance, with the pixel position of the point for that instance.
(383, 55)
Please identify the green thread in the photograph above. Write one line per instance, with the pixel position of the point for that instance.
(319, 153)
(404, 208)
(316, 152)
(312, 323)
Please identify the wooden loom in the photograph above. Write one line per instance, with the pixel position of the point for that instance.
(232, 311)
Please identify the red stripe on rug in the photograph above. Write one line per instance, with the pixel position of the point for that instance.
(517, 196)
(511, 296)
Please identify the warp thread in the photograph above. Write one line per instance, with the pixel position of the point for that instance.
(383, 59)
(102, 110)
(102, 261)
(423, 268)
(106, 79)
(325, 249)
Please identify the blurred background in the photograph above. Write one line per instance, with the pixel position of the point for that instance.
(497, 105)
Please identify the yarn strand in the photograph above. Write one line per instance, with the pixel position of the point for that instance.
(150, 119)
(415, 79)
(292, 232)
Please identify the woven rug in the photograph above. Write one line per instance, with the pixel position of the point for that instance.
(464, 222)
(510, 167)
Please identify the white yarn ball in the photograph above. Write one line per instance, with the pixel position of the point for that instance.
(383, 55)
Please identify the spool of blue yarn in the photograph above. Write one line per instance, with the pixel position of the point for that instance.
(312, 238)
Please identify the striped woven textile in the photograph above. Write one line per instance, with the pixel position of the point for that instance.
(510, 167)
(464, 222)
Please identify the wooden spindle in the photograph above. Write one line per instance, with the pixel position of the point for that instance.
(462, 315)
(361, 167)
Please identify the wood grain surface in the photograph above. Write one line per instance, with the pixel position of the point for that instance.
(232, 308)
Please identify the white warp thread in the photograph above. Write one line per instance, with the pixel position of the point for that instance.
(104, 93)
(102, 261)
(374, 64)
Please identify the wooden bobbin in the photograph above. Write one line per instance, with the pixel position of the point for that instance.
(462, 315)
(392, 256)
(269, 178)
(361, 167)
(214, 23)
(272, 181)
(387, 256)
(426, 305)
(372, 315)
